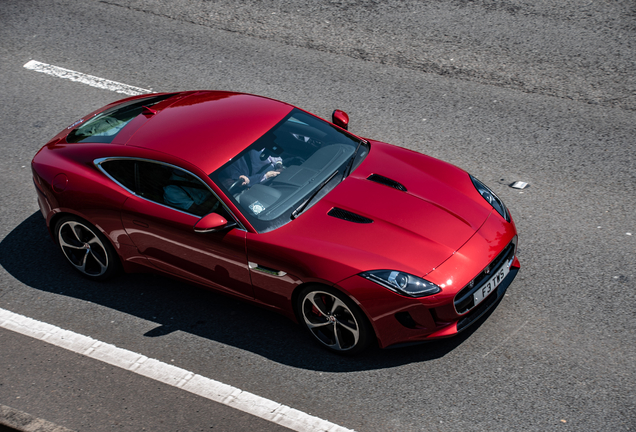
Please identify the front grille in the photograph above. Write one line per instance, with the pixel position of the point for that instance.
(477, 312)
(464, 300)
(348, 216)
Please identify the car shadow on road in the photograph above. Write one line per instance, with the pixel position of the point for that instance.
(30, 256)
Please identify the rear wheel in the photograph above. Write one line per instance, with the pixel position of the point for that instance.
(86, 249)
(334, 320)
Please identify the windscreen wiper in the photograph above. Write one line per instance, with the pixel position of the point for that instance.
(302, 207)
(347, 171)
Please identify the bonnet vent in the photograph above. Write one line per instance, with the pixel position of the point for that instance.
(348, 216)
(387, 182)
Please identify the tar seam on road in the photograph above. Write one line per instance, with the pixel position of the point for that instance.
(85, 79)
(168, 374)
(509, 336)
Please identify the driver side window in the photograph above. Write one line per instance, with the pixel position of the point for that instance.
(164, 184)
(184, 192)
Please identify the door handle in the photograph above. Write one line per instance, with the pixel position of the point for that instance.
(267, 270)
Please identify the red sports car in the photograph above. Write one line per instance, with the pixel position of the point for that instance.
(359, 241)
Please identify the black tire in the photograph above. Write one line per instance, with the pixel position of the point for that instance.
(86, 248)
(334, 320)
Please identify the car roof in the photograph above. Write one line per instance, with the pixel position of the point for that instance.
(208, 128)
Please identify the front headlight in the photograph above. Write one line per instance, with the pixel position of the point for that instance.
(492, 198)
(402, 283)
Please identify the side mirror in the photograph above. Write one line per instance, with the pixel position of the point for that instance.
(210, 223)
(340, 118)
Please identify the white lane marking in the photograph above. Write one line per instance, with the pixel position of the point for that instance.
(168, 374)
(85, 79)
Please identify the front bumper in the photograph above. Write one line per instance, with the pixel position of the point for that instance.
(399, 320)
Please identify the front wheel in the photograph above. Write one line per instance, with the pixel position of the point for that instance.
(334, 320)
(85, 248)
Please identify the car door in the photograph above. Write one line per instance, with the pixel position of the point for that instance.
(160, 218)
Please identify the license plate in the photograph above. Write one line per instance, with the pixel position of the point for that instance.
(492, 283)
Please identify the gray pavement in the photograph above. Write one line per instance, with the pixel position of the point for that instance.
(567, 49)
(54, 387)
(557, 353)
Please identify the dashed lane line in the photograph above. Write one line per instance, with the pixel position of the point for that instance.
(83, 78)
(167, 374)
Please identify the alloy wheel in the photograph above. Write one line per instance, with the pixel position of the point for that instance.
(330, 320)
(83, 248)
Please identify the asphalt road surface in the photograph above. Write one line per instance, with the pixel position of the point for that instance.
(538, 91)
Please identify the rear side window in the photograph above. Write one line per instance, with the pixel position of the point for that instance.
(104, 127)
(123, 171)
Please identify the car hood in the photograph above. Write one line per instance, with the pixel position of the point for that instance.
(364, 224)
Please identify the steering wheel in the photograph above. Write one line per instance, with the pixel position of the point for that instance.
(236, 186)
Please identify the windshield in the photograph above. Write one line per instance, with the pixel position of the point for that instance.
(289, 169)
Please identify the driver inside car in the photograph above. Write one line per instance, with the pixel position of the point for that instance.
(255, 167)
(187, 195)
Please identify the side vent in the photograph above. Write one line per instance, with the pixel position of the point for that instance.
(387, 182)
(348, 216)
